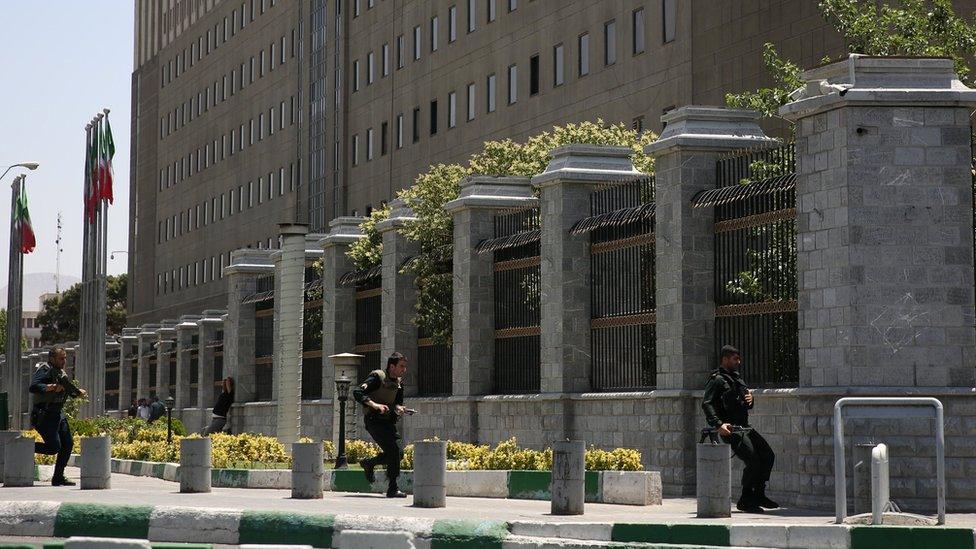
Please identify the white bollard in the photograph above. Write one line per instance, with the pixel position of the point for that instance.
(429, 472)
(5, 436)
(714, 480)
(195, 465)
(18, 462)
(306, 470)
(567, 485)
(96, 463)
(880, 488)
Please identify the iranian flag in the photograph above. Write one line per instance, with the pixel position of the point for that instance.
(23, 223)
(106, 151)
(91, 178)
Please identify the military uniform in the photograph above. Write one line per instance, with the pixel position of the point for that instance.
(724, 402)
(47, 416)
(381, 388)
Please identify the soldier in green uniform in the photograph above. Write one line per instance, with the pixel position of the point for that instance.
(51, 387)
(726, 405)
(381, 396)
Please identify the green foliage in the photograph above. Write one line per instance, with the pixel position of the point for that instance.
(3, 334)
(895, 27)
(434, 228)
(60, 317)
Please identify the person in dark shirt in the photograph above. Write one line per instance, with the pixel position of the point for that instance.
(381, 396)
(222, 407)
(726, 404)
(50, 387)
(133, 410)
(156, 409)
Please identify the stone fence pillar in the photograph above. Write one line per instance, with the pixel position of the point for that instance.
(344, 364)
(884, 224)
(165, 347)
(147, 337)
(288, 324)
(246, 267)
(685, 157)
(207, 390)
(130, 347)
(185, 330)
(338, 302)
(111, 346)
(399, 299)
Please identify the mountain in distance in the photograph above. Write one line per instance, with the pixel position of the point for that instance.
(36, 284)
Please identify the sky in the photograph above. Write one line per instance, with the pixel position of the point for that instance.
(61, 62)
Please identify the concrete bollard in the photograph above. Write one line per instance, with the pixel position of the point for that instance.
(429, 473)
(106, 543)
(568, 486)
(195, 465)
(18, 462)
(714, 480)
(96, 463)
(306, 470)
(5, 436)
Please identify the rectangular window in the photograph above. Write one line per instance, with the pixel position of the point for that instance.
(355, 150)
(433, 33)
(271, 121)
(369, 68)
(637, 27)
(262, 64)
(669, 9)
(399, 131)
(452, 24)
(558, 77)
(472, 15)
(416, 43)
(512, 5)
(384, 135)
(386, 59)
(272, 55)
(512, 84)
(451, 110)
(492, 12)
(583, 47)
(400, 54)
(355, 75)
(240, 198)
(490, 85)
(369, 144)
(260, 126)
(433, 117)
(534, 75)
(282, 51)
(355, 7)
(416, 124)
(609, 43)
(471, 101)
(250, 194)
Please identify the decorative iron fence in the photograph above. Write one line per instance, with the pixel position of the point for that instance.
(517, 293)
(312, 335)
(112, 368)
(755, 262)
(622, 286)
(153, 376)
(172, 374)
(263, 300)
(194, 378)
(369, 313)
(434, 363)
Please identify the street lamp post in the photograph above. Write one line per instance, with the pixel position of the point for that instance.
(342, 389)
(170, 401)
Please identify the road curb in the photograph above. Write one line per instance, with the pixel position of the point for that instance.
(167, 524)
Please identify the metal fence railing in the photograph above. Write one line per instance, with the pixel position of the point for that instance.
(369, 313)
(434, 364)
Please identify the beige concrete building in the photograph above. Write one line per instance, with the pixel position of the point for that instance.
(251, 112)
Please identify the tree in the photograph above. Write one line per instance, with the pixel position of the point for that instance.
(434, 228)
(61, 314)
(3, 334)
(898, 27)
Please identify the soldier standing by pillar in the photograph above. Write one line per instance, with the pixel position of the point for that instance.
(382, 398)
(726, 405)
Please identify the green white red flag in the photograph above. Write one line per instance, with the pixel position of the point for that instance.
(22, 222)
(105, 172)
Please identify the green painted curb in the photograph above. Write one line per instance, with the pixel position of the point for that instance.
(592, 482)
(229, 478)
(15, 546)
(106, 521)
(463, 534)
(535, 485)
(286, 528)
(908, 537)
(704, 534)
(60, 545)
(157, 469)
(344, 480)
(135, 468)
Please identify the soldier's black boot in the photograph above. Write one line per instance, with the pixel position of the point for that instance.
(394, 492)
(369, 469)
(747, 501)
(762, 500)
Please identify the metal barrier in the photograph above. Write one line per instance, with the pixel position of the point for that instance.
(885, 408)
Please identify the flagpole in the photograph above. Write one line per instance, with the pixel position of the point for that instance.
(14, 287)
(82, 365)
(102, 308)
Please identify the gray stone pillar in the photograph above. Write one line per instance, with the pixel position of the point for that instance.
(246, 267)
(70, 356)
(474, 328)
(306, 470)
(5, 437)
(130, 347)
(568, 480)
(18, 462)
(209, 325)
(96, 463)
(714, 486)
(685, 157)
(565, 189)
(111, 347)
(185, 330)
(884, 224)
(165, 347)
(288, 322)
(399, 299)
(429, 473)
(338, 302)
(146, 339)
(195, 465)
(344, 364)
